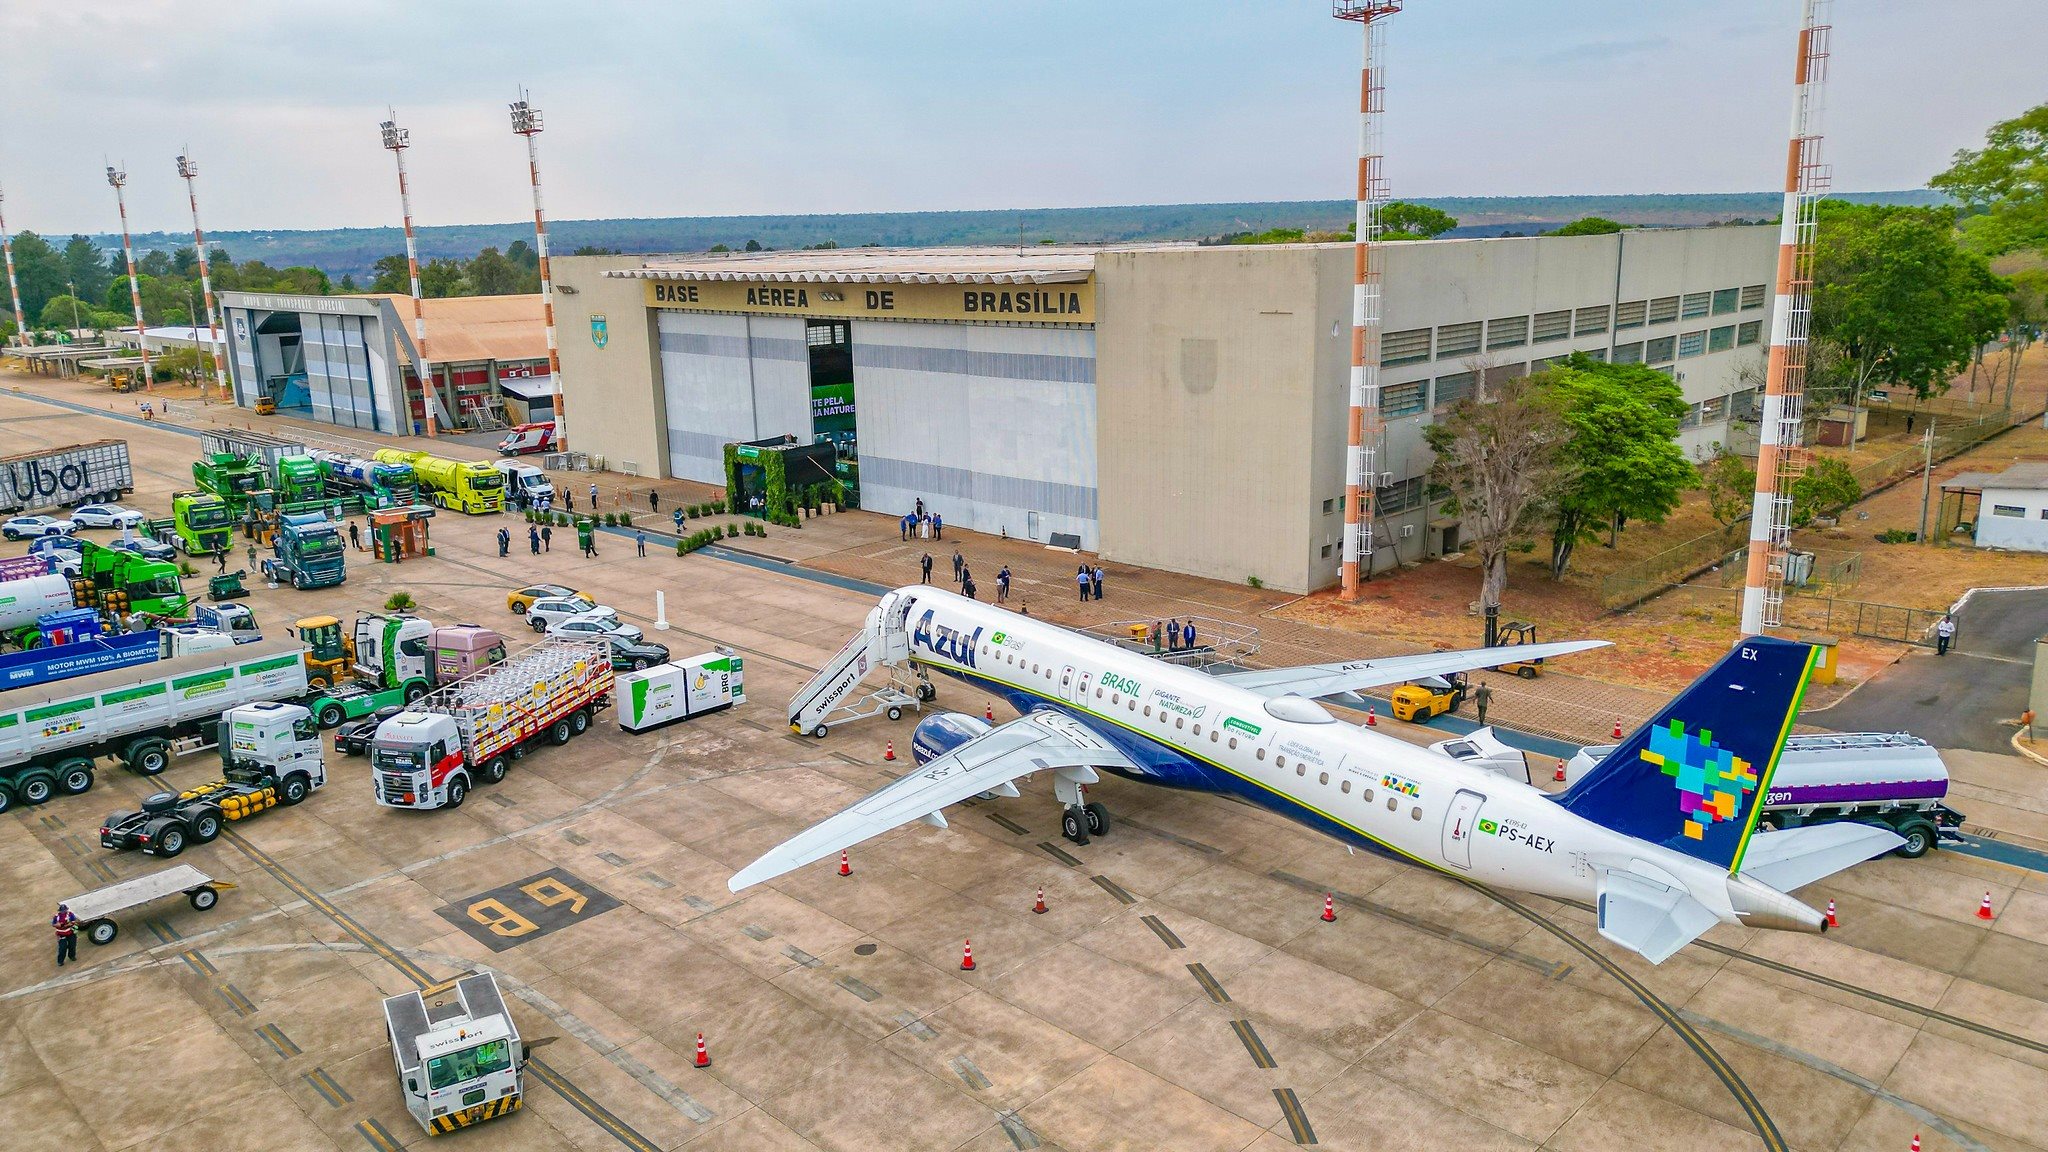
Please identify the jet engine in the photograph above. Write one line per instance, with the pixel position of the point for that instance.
(939, 734)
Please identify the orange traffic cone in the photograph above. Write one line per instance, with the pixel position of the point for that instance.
(703, 1054)
(845, 865)
(1329, 908)
(1984, 911)
(988, 713)
(967, 957)
(1916, 1142)
(1040, 906)
(1559, 774)
(1617, 727)
(889, 750)
(1371, 719)
(1832, 922)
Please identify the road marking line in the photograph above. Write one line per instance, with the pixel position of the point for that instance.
(1058, 854)
(1201, 974)
(1009, 825)
(1114, 889)
(1159, 929)
(379, 1137)
(965, 1069)
(1249, 1037)
(1297, 1119)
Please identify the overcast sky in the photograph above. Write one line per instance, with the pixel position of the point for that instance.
(707, 107)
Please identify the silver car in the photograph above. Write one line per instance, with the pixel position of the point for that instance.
(591, 625)
(550, 610)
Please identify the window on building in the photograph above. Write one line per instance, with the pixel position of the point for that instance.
(1748, 332)
(1553, 325)
(1744, 405)
(1631, 314)
(2008, 510)
(1329, 506)
(1453, 388)
(1725, 300)
(1660, 350)
(1714, 411)
(1628, 353)
(1500, 374)
(1410, 346)
(1401, 497)
(1587, 321)
(1664, 309)
(1721, 339)
(1754, 295)
(1507, 332)
(1547, 361)
(1404, 399)
(1692, 344)
(1691, 419)
(1457, 339)
(1695, 305)
(1326, 551)
(1599, 354)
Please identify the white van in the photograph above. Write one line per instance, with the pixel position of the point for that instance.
(525, 485)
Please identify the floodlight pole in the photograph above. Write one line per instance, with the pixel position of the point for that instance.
(118, 180)
(398, 140)
(189, 171)
(526, 121)
(13, 288)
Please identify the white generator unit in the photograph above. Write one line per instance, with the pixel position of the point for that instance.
(679, 690)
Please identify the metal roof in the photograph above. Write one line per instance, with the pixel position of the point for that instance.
(2031, 475)
(467, 329)
(1039, 265)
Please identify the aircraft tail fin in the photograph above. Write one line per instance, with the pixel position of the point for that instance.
(1694, 778)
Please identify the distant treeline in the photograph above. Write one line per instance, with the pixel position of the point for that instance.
(355, 251)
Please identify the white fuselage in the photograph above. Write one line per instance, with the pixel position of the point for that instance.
(1290, 755)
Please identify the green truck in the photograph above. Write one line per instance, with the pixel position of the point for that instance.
(310, 552)
(399, 659)
(124, 583)
(300, 480)
(240, 481)
(201, 523)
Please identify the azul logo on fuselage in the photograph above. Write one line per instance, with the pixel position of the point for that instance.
(943, 641)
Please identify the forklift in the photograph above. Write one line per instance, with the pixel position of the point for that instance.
(1430, 697)
(330, 655)
(1519, 632)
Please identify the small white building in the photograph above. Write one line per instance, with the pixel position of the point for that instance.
(2012, 506)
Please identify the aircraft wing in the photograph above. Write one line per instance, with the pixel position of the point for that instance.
(1792, 858)
(1356, 675)
(988, 763)
(1648, 918)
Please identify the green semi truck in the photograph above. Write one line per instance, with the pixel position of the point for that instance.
(300, 480)
(242, 483)
(201, 522)
(123, 582)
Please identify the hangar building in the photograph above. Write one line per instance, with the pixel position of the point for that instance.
(1172, 406)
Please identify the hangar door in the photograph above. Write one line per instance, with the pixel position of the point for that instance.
(729, 378)
(992, 425)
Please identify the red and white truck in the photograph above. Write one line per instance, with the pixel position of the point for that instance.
(467, 734)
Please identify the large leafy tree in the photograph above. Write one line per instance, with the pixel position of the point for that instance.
(1621, 461)
(1499, 453)
(2004, 185)
(87, 268)
(1405, 221)
(1589, 226)
(39, 271)
(1895, 301)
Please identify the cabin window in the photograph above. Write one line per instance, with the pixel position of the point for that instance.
(1198, 729)
(1345, 787)
(1098, 692)
(1323, 778)
(1214, 735)
(1299, 769)
(1262, 753)
(1178, 722)
(1148, 709)
(1415, 813)
(1368, 796)
(1393, 804)
(1133, 705)
(1280, 761)
(1115, 699)
(1233, 743)
(1034, 669)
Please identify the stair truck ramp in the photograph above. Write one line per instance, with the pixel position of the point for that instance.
(834, 695)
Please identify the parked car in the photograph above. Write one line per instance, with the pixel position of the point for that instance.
(106, 516)
(145, 547)
(591, 625)
(65, 553)
(30, 527)
(523, 599)
(550, 610)
(630, 655)
(353, 737)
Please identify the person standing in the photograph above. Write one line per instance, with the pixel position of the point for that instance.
(66, 927)
(920, 507)
(640, 540)
(533, 539)
(220, 555)
(1481, 697)
(593, 496)
(355, 535)
(1944, 634)
(504, 541)
(1155, 637)
(1003, 584)
(1095, 581)
(1173, 635)
(1187, 634)
(903, 529)
(677, 516)
(967, 587)
(653, 500)
(938, 526)
(547, 538)
(568, 498)
(924, 569)
(1081, 583)
(959, 565)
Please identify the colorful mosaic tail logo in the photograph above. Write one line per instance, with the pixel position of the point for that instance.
(1713, 783)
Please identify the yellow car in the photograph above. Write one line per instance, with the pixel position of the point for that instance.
(523, 599)
(1428, 698)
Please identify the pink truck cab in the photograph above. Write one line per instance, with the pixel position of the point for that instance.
(460, 649)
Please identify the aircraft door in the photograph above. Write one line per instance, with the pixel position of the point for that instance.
(1461, 823)
(1081, 682)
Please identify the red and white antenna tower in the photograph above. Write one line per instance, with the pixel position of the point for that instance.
(118, 179)
(526, 122)
(1367, 429)
(13, 289)
(398, 140)
(1780, 457)
(190, 172)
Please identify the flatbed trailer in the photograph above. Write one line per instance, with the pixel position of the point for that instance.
(96, 909)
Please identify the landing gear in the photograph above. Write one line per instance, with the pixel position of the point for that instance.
(1098, 819)
(1074, 824)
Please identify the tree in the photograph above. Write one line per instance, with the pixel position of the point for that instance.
(87, 268)
(1895, 301)
(1589, 226)
(182, 362)
(1730, 484)
(38, 270)
(154, 262)
(523, 256)
(444, 277)
(1621, 460)
(719, 248)
(185, 262)
(1827, 487)
(595, 250)
(753, 245)
(489, 273)
(1405, 220)
(2004, 185)
(348, 286)
(392, 274)
(1498, 453)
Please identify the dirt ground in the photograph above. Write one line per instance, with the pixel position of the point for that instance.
(1668, 641)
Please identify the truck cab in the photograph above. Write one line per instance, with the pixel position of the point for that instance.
(416, 762)
(234, 621)
(525, 485)
(123, 582)
(201, 522)
(460, 649)
(271, 739)
(299, 479)
(310, 552)
(391, 651)
(457, 1052)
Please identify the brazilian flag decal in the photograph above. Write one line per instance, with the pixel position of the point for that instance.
(1489, 827)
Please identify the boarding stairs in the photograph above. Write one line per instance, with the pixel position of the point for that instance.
(834, 695)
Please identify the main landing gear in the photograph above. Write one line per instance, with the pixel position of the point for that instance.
(1080, 821)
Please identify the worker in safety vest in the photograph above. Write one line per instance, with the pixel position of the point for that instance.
(66, 926)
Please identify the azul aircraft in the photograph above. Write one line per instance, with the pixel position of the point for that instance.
(1662, 837)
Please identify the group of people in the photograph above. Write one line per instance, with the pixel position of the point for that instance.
(1175, 635)
(964, 577)
(921, 524)
(1089, 581)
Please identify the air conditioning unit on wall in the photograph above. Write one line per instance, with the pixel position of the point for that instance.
(1407, 530)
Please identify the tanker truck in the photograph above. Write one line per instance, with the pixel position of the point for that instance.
(380, 485)
(468, 486)
(24, 600)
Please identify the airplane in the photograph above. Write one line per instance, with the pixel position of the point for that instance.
(1661, 838)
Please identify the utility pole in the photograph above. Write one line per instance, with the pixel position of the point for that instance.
(118, 179)
(190, 172)
(526, 122)
(398, 140)
(1926, 478)
(13, 289)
